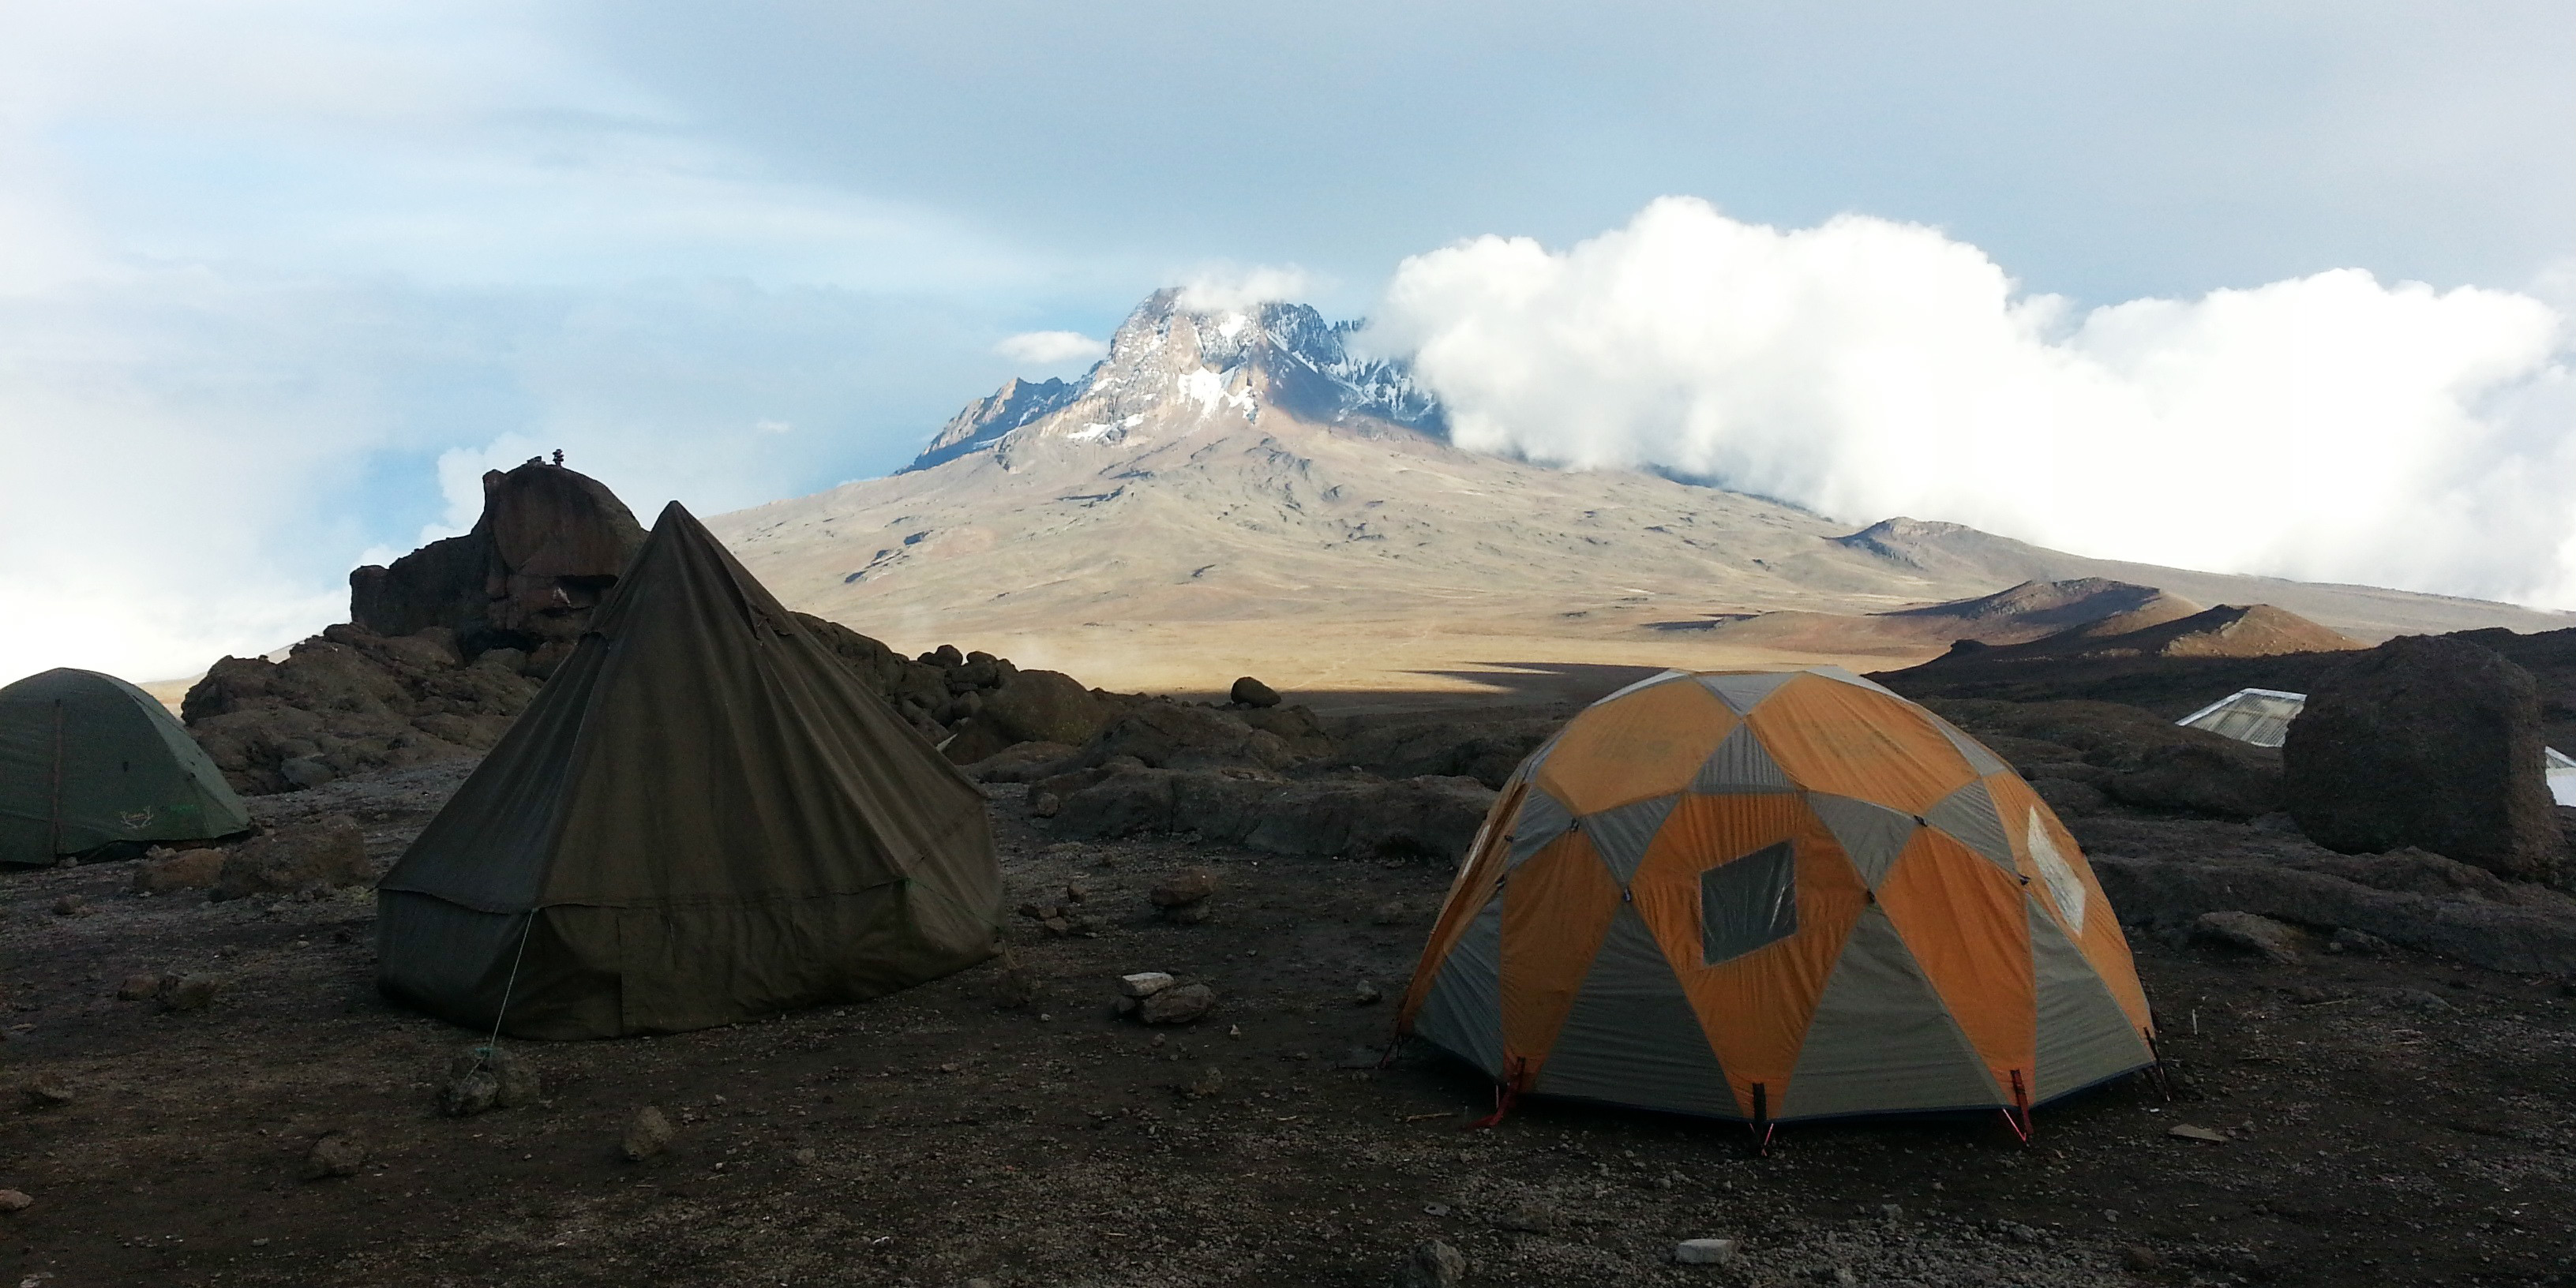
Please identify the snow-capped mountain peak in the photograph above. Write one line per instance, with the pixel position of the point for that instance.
(1170, 367)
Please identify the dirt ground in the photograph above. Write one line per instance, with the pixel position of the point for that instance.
(2392, 1120)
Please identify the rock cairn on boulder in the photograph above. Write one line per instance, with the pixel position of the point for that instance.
(549, 544)
(2426, 741)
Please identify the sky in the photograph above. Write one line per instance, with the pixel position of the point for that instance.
(280, 278)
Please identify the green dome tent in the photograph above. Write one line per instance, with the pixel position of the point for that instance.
(704, 817)
(87, 761)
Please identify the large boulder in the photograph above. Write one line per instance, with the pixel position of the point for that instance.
(1033, 706)
(2430, 742)
(549, 544)
(1444, 744)
(2215, 776)
(2127, 753)
(323, 855)
(1164, 734)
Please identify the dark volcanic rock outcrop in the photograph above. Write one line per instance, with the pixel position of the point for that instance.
(349, 701)
(550, 543)
(1425, 817)
(2431, 742)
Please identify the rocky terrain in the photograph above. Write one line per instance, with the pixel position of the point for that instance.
(2344, 1109)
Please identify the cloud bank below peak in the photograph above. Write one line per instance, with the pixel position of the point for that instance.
(2328, 427)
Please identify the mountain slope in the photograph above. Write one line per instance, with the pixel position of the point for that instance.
(1238, 490)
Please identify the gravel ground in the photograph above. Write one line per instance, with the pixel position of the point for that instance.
(2398, 1120)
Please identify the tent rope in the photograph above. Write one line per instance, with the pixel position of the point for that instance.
(493, 1043)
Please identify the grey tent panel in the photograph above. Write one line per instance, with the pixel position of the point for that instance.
(1741, 764)
(1632, 1037)
(1464, 1012)
(1541, 820)
(1980, 759)
(1872, 835)
(1741, 693)
(1881, 1040)
(1620, 836)
(1969, 816)
(2084, 1037)
(1748, 903)
(1647, 683)
(1846, 677)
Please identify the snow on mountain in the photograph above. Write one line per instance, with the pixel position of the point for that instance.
(1170, 363)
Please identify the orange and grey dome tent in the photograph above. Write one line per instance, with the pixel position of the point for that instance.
(1770, 896)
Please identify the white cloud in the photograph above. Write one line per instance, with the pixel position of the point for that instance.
(2325, 427)
(1052, 348)
(1230, 289)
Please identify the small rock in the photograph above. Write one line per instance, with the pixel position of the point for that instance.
(193, 992)
(1366, 994)
(15, 1201)
(1234, 1031)
(1891, 1211)
(137, 988)
(338, 1154)
(1253, 693)
(1180, 1004)
(1185, 887)
(2141, 1259)
(1705, 1252)
(1528, 1216)
(1433, 1264)
(514, 1080)
(70, 905)
(47, 1090)
(2188, 1131)
(1016, 985)
(1045, 804)
(647, 1133)
(1842, 1277)
(2360, 943)
(466, 1095)
(805, 1157)
(1144, 983)
(1188, 914)
(1393, 912)
(1210, 1081)
(2247, 932)
(1076, 892)
(2422, 1000)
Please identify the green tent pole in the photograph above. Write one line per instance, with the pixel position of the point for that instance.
(54, 836)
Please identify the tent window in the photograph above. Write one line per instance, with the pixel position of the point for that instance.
(1747, 903)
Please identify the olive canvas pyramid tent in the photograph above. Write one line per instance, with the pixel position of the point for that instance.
(702, 818)
(87, 760)
(1777, 896)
